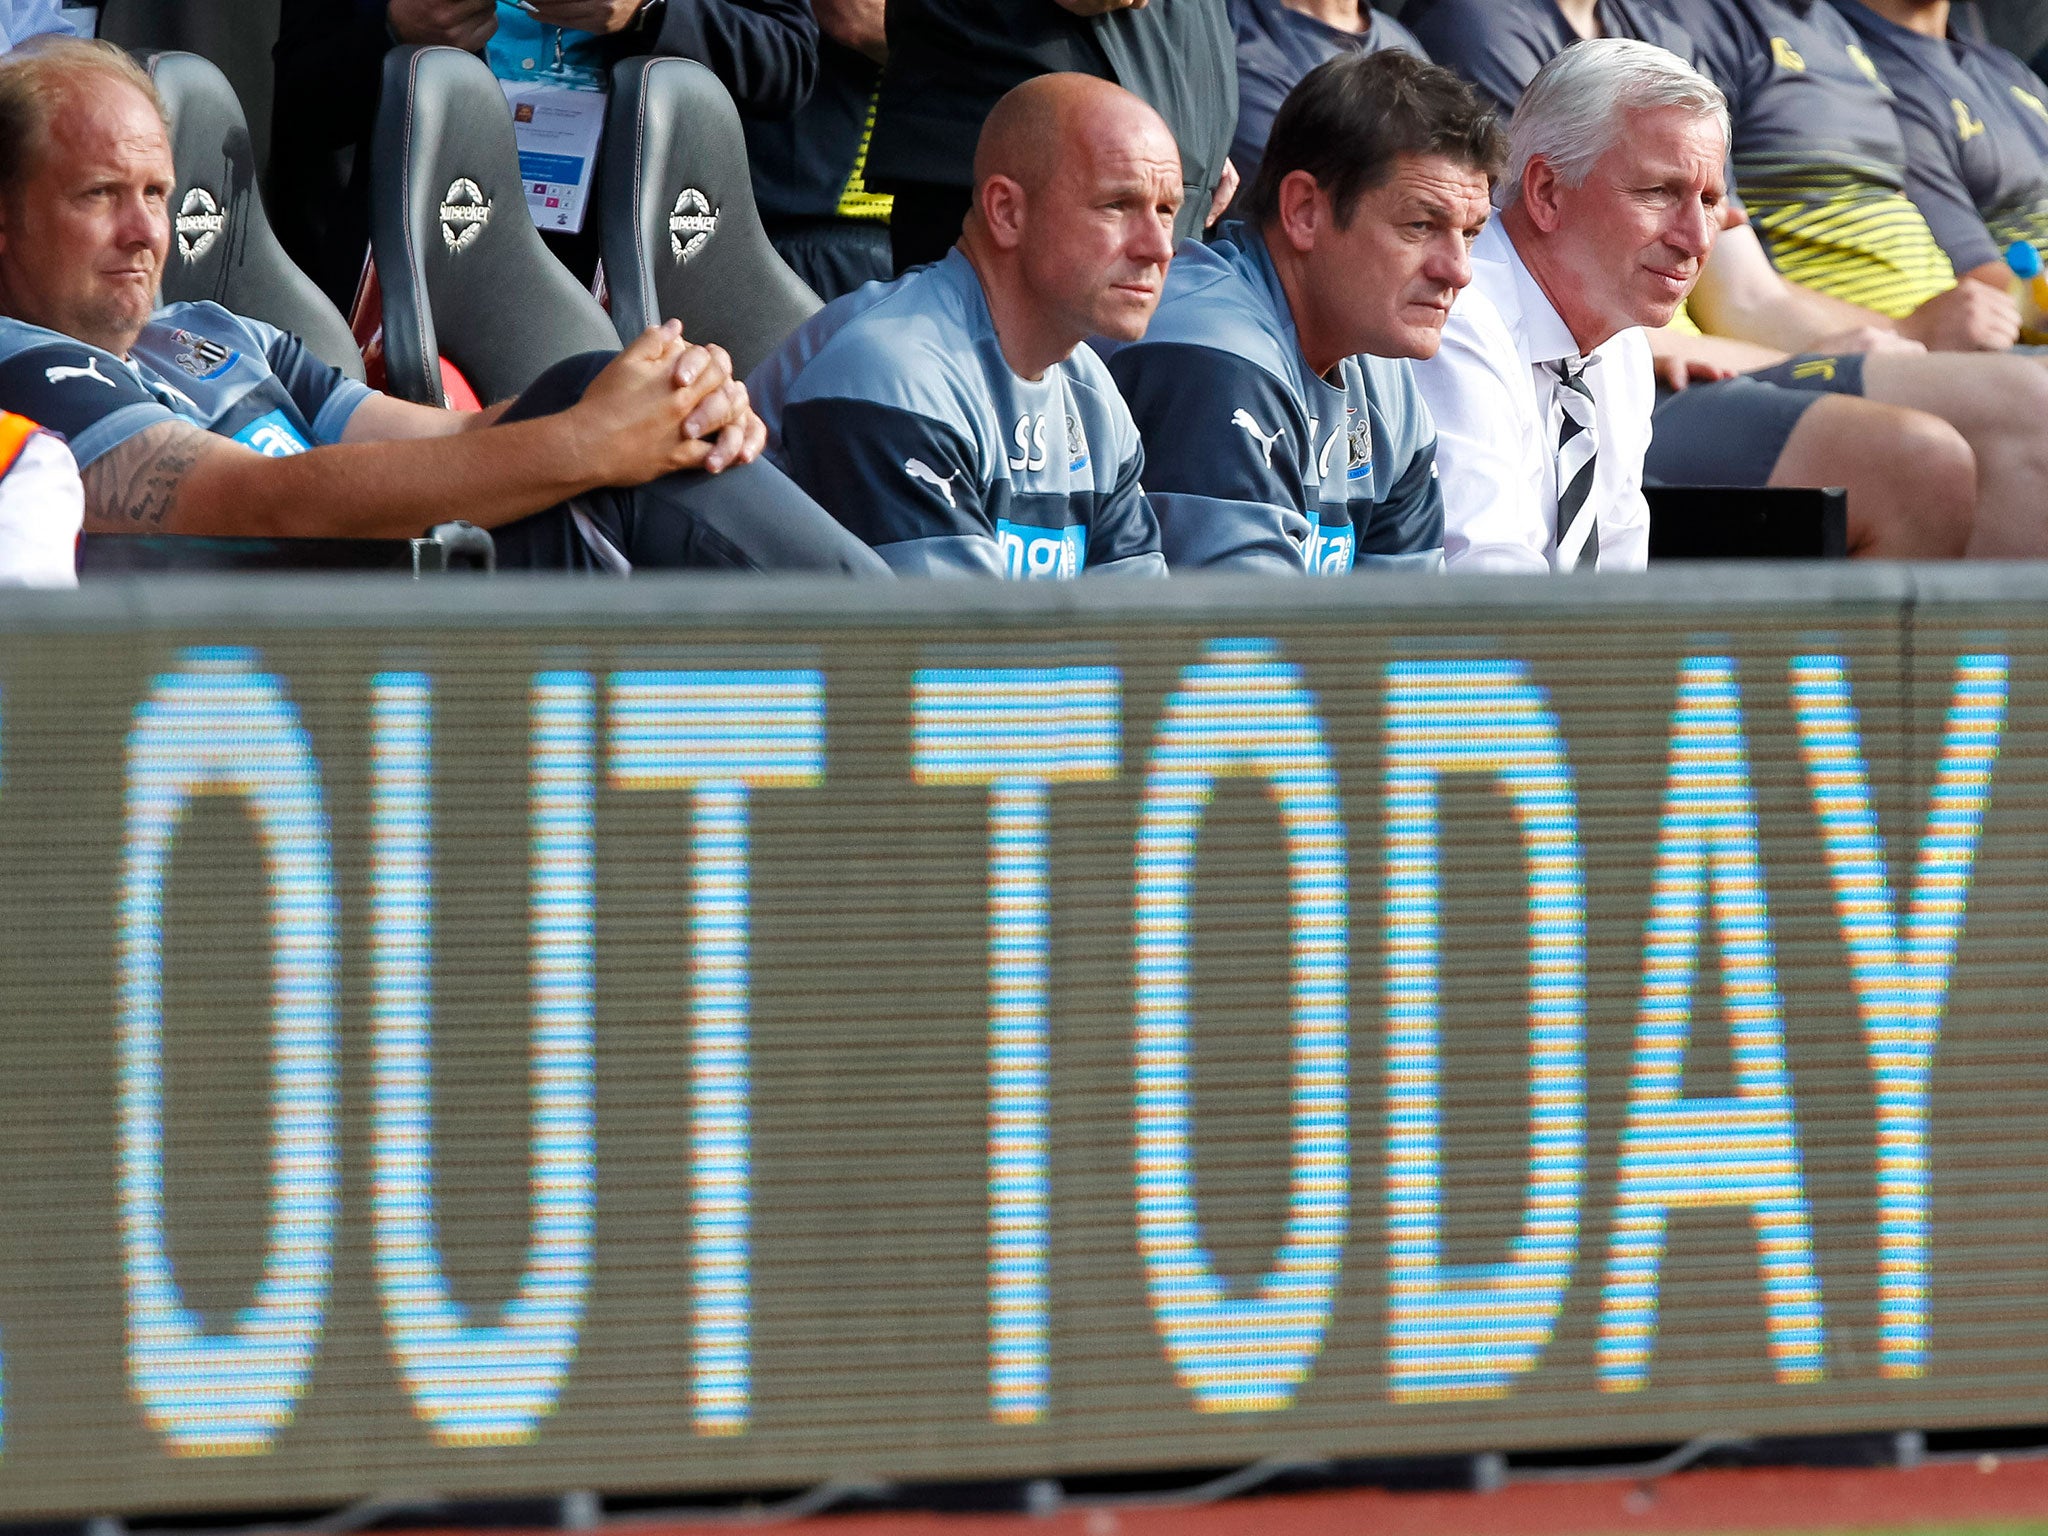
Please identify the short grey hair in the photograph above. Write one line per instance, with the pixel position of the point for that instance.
(1577, 107)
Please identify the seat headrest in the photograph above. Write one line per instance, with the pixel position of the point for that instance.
(222, 247)
(681, 236)
(463, 270)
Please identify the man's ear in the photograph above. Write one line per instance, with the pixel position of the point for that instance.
(1541, 191)
(1002, 207)
(1301, 210)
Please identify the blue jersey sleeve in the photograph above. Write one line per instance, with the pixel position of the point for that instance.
(325, 395)
(1223, 454)
(904, 484)
(88, 396)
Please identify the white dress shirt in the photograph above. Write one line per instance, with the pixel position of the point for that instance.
(1494, 395)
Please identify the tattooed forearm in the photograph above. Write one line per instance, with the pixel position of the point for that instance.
(134, 488)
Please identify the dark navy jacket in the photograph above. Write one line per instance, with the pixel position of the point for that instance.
(894, 408)
(951, 60)
(1500, 47)
(1275, 48)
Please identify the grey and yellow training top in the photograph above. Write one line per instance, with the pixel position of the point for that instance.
(1819, 153)
(1976, 123)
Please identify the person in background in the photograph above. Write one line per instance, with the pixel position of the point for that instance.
(810, 168)
(1279, 41)
(950, 60)
(1499, 47)
(1283, 428)
(1824, 165)
(1821, 161)
(1976, 126)
(1542, 388)
(330, 58)
(953, 419)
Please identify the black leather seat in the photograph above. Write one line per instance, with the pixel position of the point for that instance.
(222, 247)
(463, 270)
(235, 35)
(681, 237)
(443, 548)
(1777, 522)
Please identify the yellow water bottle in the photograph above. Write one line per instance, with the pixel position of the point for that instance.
(2030, 287)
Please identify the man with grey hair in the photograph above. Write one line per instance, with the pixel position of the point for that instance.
(1542, 388)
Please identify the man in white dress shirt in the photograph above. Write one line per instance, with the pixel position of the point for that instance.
(1542, 389)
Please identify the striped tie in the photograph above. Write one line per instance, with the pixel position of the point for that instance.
(1578, 533)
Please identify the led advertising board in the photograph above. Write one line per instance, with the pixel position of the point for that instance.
(494, 1040)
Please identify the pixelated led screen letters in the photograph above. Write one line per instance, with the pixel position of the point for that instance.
(1363, 1017)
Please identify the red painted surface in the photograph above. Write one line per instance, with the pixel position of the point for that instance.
(1687, 1504)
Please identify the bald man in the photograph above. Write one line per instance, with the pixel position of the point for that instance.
(952, 418)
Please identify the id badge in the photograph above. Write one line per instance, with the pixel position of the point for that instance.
(554, 84)
(558, 132)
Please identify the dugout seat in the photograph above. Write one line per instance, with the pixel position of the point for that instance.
(445, 547)
(237, 37)
(222, 247)
(1707, 522)
(678, 228)
(464, 272)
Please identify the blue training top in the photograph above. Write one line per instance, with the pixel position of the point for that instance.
(197, 363)
(894, 408)
(1256, 463)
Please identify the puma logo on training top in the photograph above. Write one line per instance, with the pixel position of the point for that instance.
(1265, 440)
(917, 469)
(91, 370)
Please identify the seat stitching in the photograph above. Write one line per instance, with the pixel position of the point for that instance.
(650, 296)
(415, 267)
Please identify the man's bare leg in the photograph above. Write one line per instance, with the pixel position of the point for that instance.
(1911, 478)
(2000, 405)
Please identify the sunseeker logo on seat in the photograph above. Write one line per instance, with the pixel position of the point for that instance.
(199, 224)
(691, 223)
(464, 213)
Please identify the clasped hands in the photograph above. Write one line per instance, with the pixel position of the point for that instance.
(665, 404)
